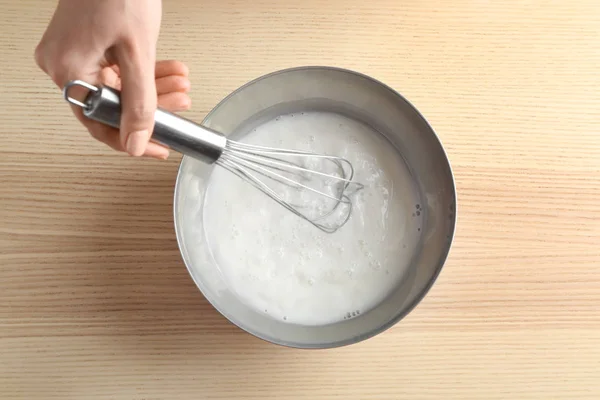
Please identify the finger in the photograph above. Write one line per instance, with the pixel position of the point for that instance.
(102, 133)
(174, 72)
(170, 67)
(156, 150)
(164, 86)
(109, 77)
(110, 137)
(138, 96)
(172, 83)
(164, 68)
(174, 102)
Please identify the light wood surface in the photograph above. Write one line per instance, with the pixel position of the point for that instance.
(95, 301)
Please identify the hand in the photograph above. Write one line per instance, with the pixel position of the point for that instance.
(113, 42)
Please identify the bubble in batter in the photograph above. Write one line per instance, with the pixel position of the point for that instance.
(283, 266)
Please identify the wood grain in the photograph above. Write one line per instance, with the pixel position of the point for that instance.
(96, 303)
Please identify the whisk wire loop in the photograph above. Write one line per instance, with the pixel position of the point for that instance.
(288, 168)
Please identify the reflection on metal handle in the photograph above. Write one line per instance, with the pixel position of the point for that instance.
(103, 104)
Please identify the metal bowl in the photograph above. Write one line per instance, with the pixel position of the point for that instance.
(358, 97)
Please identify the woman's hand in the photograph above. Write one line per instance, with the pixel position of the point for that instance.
(113, 42)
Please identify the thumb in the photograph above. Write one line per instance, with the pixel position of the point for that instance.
(138, 99)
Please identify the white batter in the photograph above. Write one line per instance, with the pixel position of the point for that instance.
(283, 266)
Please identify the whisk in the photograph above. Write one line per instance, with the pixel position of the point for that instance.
(316, 187)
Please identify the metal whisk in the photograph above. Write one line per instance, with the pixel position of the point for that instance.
(315, 187)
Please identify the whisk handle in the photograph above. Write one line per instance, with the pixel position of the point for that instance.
(103, 104)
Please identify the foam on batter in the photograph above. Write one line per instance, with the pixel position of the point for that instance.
(287, 269)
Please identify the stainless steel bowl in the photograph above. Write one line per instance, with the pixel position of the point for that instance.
(355, 96)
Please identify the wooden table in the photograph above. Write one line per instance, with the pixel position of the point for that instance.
(95, 301)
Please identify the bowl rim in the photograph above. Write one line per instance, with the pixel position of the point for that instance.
(410, 306)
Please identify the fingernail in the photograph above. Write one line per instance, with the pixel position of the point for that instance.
(155, 151)
(136, 143)
(162, 156)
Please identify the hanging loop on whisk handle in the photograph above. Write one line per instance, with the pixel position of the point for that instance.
(103, 104)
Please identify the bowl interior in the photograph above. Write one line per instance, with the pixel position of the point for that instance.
(360, 98)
